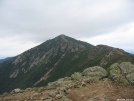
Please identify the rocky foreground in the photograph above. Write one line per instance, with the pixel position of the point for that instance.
(93, 84)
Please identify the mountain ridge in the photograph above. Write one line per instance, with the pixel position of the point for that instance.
(56, 58)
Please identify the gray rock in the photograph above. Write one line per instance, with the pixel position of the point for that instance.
(130, 77)
(123, 73)
(68, 91)
(67, 79)
(77, 84)
(95, 72)
(17, 90)
(58, 96)
(127, 67)
(52, 94)
(60, 81)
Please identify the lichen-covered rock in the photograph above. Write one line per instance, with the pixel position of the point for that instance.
(62, 90)
(122, 73)
(76, 76)
(60, 81)
(55, 83)
(67, 79)
(130, 77)
(68, 91)
(17, 90)
(77, 84)
(52, 94)
(94, 72)
(58, 96)
(40, 89)
(116, 74)
(127, 67)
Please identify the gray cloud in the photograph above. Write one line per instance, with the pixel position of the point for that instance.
(39, 20)
(47, 18)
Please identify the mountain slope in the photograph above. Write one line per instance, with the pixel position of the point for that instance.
(31, 67)
(54, 59)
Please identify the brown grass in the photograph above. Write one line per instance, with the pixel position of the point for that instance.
(111, 90)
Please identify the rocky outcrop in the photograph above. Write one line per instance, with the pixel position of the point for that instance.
(17, 90)
(96, 72)
(60, 82)
(122, 73)
(78, 79)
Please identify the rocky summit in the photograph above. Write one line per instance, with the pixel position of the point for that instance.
(66, 58)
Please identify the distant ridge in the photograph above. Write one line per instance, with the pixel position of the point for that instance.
(2, 60)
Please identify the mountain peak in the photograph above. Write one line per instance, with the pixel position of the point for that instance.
(62, 37)
(71, 41)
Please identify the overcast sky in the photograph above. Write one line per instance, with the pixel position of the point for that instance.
(27, 23)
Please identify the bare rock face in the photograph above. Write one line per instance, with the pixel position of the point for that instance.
(14, 74)
(122, 73)
(77, 79)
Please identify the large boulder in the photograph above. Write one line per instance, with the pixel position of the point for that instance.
(60, 81)
(122, 73)
(95, 72)
(17, 90)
